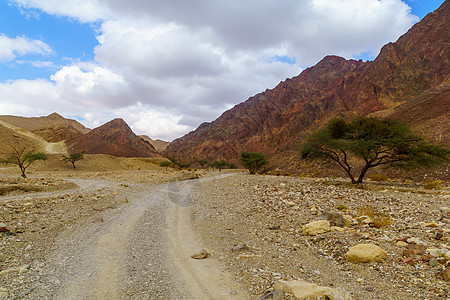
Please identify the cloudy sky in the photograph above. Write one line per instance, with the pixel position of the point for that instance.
(167, 66)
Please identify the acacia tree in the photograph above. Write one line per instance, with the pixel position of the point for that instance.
(253, 161)
(219, 164)
(23, 156)
(373, 141)
(203, 163)
(73, 158)
(166, 164)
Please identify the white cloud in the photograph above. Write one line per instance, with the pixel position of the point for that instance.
(167, 66)
(85, 10)
(10, 48)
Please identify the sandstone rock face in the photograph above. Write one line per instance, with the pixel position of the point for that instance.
(366, 253)
(113, 138)
(408, 76)
(316, 227)
(305, 290)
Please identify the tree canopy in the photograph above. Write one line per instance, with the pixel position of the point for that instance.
(23, 156)
(253, 161)
(373, 141)
(73, 158)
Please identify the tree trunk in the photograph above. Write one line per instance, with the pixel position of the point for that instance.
(363, 172)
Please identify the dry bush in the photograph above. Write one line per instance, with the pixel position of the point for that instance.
(379, 219)
(342, 207)
(433, 184)
(378, 177)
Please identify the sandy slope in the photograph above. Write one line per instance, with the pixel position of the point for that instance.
(24, 135)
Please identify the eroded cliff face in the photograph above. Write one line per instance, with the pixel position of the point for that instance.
(113, 138)
(276, 121)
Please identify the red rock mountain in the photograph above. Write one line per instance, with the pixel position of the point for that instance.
(408, 77)
(53, 128)
(113, 138)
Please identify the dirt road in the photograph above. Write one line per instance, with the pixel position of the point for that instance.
(140, 250)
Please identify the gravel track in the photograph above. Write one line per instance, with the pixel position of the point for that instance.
(140, 250)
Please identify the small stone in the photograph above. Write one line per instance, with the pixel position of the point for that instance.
(431, 224)
(447, 255)
(359, 280)
(98, 220)
(433, 262)
(240, 247)
(409, 261)
(446, 274)
(401, 244)
(414, 240)
(434, 251)
(427, 257)
(201, 255)
(349, 221)
(336, 219)
(336, 229)
(365, 253)
(316, 227)
(439, 235)
(3, 228)
(441, 260)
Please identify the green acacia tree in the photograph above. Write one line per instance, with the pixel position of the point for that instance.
(219, 164)
(373, 141)
(23, 156)
(203, 163)
(73, 158)
(166, 164)
(253, 161)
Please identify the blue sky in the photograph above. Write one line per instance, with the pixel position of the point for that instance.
(166, 69)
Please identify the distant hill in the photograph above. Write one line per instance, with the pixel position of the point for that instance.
(159, 145)
(113, 138)
(409, 80)
(53, 128)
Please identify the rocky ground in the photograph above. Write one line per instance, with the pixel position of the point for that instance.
(36, 212)
(254, 226)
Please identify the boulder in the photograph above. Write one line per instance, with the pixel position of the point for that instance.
(316, 227)
(336, 219)
(302, 289)
(366, 253)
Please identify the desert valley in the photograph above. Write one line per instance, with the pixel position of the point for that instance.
(137, 218)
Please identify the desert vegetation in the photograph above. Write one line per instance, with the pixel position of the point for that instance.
(23, 156)
(73, 158)
(374, 142)
(253, 161)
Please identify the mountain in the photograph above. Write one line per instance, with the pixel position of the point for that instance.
(411, 73)
(53, 128)
(113, 138)
(159, 145)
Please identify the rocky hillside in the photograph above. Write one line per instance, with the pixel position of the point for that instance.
(113, 138)
(411, 73)
(159, 145)
(53, 128)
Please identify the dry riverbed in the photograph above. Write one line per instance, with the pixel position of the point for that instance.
(252, 225)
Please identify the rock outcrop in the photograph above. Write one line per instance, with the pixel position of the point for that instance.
(407, 76)
(113, 138)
